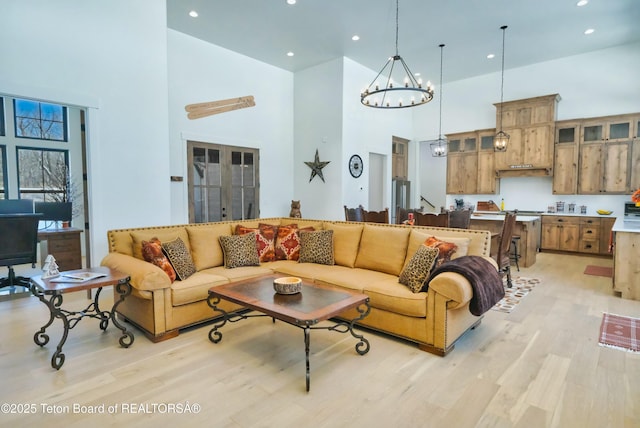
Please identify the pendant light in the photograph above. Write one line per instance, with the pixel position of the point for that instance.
(396, 90)
(439, 146)
(501, 139)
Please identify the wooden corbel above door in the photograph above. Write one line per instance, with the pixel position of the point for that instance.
(199, 110)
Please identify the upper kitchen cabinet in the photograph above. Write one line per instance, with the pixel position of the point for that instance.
(462, 163)
(530, 124)
(606, 157)
(565, 165)
(488, 182)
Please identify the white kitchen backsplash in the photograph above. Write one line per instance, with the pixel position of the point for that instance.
(535, 194)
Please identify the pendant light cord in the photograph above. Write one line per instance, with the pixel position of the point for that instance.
(440, 124)
(397, 25)
(503, 28)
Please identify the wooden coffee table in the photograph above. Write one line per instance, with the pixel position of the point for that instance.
(313, 304)
(41, 288)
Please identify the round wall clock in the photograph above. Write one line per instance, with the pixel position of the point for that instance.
(355, 166)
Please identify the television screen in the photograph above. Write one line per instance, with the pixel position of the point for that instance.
(54, 211)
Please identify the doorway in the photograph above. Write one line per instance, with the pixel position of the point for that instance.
(377, 187)
(223, 182)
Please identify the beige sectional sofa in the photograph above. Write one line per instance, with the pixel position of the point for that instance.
(369, 258)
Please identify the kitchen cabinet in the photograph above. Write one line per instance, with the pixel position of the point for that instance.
(565, 164)
(626, 260)
(579, 234)
(605, 157)
(560, 233)
(530, 124)
(462, 163)
(488, 182)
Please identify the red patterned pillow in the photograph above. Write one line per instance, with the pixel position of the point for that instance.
(446, 249)
(288, 242)
(265, 240)
(152, 253)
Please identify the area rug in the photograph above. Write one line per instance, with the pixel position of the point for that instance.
(598, 271)
(512, 296)
(620, 332)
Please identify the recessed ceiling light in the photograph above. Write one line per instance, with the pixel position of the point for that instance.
(589, 31)
(193, 14)
(355, 38)
(290, 53)
(291, 1)
(491, 56)
(582, 3)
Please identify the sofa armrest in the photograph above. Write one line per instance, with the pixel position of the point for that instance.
(144, 275)
(454, 286)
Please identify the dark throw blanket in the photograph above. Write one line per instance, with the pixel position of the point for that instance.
(484, 278)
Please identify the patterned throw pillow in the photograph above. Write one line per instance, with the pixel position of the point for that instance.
(316, 247)
(152, 253)
(416, 272)
(239, 250)
(265, 240)
(180, 258)
(446, 249)
(288, 242)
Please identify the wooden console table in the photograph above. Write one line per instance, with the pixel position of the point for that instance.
(64, 245)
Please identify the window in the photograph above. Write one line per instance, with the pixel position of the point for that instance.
(2, 117)
(42, 174)
(3, 176)
(42, 121)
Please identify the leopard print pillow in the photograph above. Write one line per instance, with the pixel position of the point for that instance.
(316, 247)
(416, 272)
(239, 250)
(180, 258)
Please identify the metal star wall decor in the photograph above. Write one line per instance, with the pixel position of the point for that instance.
(316, 167)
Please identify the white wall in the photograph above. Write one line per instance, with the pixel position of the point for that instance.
(200, 72)
(110, 57)
(318, 125)
(369, 130)
(594, 84)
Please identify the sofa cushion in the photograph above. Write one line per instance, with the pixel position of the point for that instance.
(418, 237)
(152, 253)
(316, 247)
(383, 248)
(391, 296)
(288, 242)
(239, 250)
(205, 247)
(195, 288)
(164, 234)
(416, 272)
(265, 235)
(446, 249)
(346, 240)
(240, 273)
(180, 258)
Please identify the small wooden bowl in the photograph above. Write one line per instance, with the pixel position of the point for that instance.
(287, 285)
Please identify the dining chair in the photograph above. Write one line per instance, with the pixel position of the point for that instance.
(502, 256)
(460, 219)
(431, 219)
(376, 216)
(353, 214)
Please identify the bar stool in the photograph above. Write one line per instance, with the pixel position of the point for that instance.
(515, 255)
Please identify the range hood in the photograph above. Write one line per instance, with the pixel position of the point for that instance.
(524, 171)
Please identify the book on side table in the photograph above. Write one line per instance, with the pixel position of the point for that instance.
(78, 277)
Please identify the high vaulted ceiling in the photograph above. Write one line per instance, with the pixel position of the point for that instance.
(317, 31)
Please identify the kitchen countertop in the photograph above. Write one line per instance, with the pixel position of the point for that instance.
(500, 217)
(501, 214)
(626, 226)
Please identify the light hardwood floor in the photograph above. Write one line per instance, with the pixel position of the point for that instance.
(539, 366)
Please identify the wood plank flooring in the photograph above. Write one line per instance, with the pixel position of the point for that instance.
(539, 366)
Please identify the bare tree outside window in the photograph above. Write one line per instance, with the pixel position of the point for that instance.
(43, 176)
(41, 121)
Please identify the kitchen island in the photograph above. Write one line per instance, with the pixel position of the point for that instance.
(527, 227)
(626, 258)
